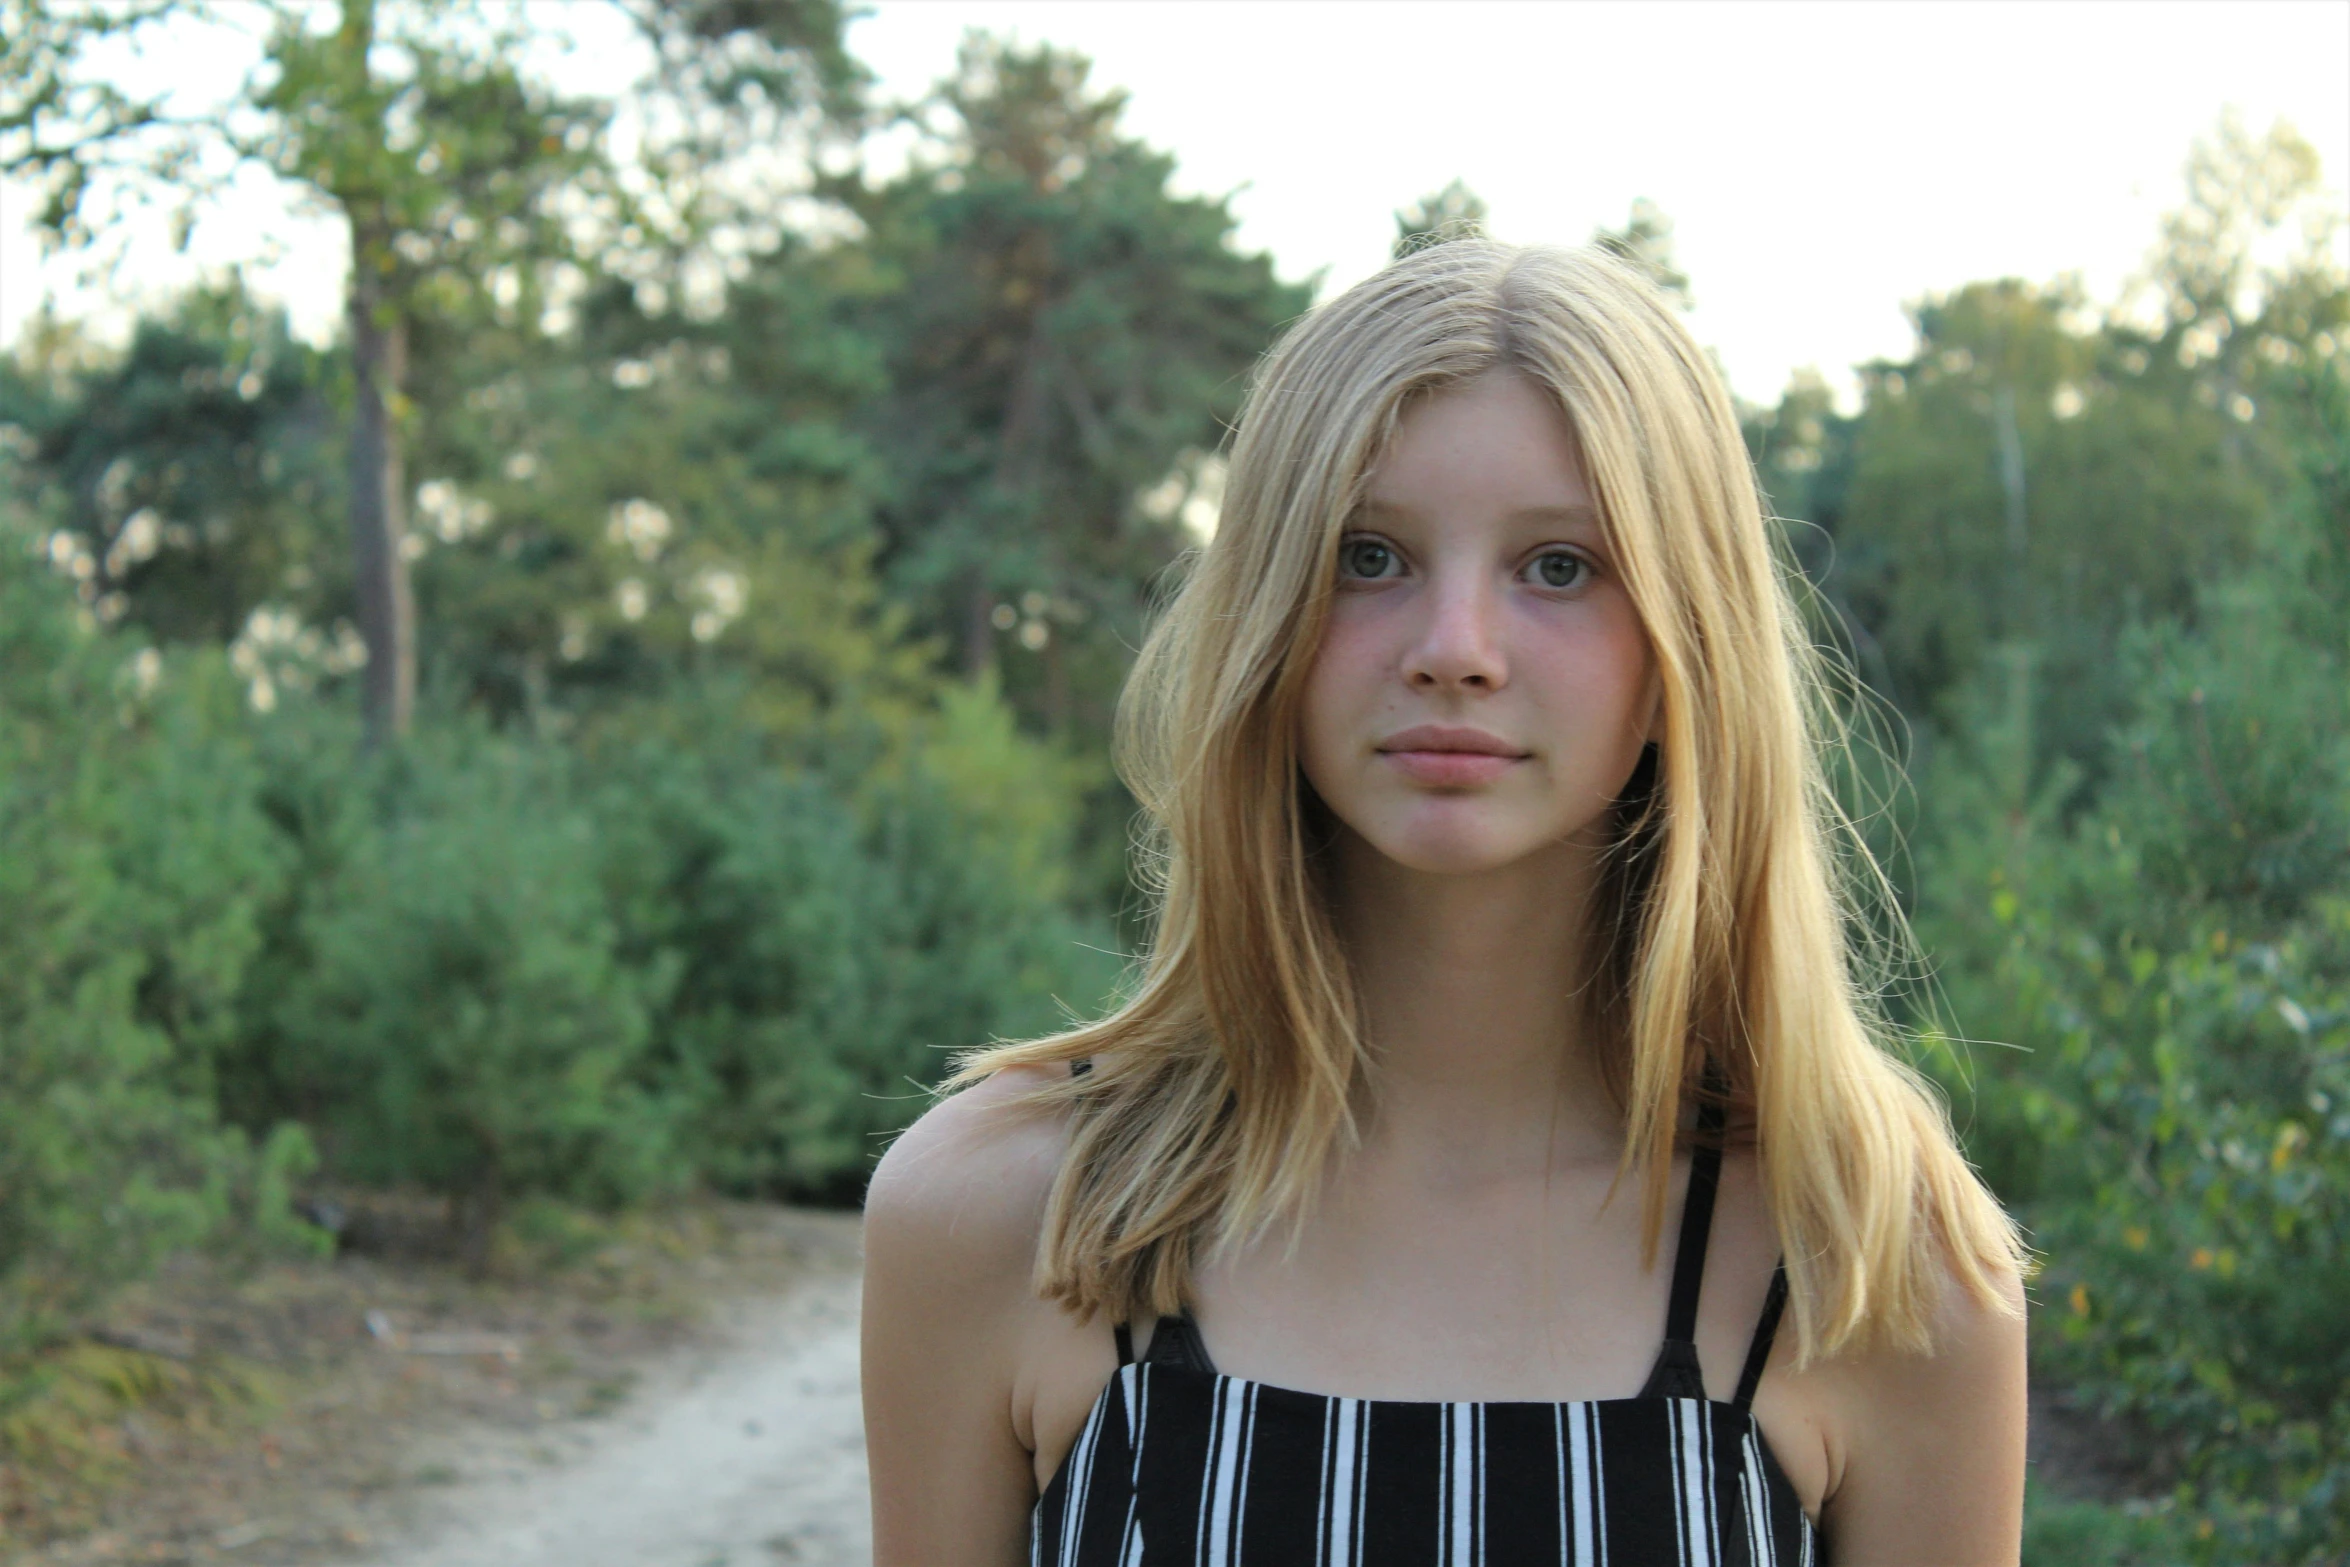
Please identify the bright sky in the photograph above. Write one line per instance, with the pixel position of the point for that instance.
(1824, 163)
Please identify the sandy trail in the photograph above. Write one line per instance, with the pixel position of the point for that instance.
(747, 1454)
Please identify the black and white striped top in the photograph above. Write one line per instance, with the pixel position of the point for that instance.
(1178, 1464)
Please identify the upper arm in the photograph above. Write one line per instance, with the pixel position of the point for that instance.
(1933, 1466)
(951, 1224)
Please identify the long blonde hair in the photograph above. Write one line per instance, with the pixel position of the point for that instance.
(1222, 1087)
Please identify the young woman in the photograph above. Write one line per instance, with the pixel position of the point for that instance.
(1498, 1159)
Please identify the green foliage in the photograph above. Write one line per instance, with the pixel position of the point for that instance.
(778, 57)
(65, 127)
(2174, 961)
(1646, 241)
(729, 870)
(1058, 332)
(1999, 492)
(834, 940)
(1455, 212)
(133, 868)
(454, 172)
(2061, 1533)
(720, 920)
(1998, 487)
(657, 500)
(462, 1015)
(505, 969)
(2134, 851)
(193, 479)
(477, 199)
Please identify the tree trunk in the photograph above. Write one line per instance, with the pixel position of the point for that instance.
(978, 627)
(1056, 684)
(379, 369)
(1015, 479)
(2022, 622)
(387, 611)
(476, 1213)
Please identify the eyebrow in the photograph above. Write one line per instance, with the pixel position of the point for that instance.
(1585, 516)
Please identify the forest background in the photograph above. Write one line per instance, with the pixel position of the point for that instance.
(613, 721)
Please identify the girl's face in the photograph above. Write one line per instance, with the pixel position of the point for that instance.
(1484, 689)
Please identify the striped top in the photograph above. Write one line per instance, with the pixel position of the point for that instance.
(1178, 1464)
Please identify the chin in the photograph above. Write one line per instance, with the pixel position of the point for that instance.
(1456, 848)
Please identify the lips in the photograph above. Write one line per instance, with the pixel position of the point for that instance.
(1444, 757)
(1438, 738)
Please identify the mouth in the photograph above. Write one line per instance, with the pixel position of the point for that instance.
(1441, 740)
(1445, 757)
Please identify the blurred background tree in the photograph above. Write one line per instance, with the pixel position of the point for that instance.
(1454, 212)
(194, 474)
(2100, 560)
(1058, 331)
(1646, 241)
(2038, 476)
(477, 200)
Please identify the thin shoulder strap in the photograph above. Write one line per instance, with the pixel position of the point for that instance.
(1697, 1222)
(1758, 1354)
(1677, 1373)
(1176, 1342)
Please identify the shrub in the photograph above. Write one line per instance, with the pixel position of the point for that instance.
(133, 867)
(2174, 958)
(460, 1017)
(834, 940)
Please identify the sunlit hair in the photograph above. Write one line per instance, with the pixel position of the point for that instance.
(1725, 931)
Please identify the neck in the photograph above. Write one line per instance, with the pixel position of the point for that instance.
(1471, 996)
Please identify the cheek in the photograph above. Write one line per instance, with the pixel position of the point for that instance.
(1342, 688)
(1603, 688)
(1343, 696)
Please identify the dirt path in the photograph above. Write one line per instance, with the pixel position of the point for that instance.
(745, 1452)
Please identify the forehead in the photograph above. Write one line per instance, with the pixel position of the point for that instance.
(1496, 443)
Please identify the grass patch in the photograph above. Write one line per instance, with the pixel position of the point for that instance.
(2063, 1532)
(75, 1419)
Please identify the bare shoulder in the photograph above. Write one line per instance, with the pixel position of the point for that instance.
(974, 1171)
(962, 1191)
(1934, 1442)
(1976, 1341)
(952, 1219)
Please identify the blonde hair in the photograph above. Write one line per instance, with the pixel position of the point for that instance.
(1222, 1087)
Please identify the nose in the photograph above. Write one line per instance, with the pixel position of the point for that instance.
(1459, 643)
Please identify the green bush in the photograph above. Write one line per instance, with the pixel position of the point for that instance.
(500, 966)
(504, 969)
(836, 933)
(2173, 957)
(460, 1017)
(2060, 1533)
(133, 868)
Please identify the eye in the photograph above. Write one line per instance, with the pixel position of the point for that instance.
(1560, 569)
(1367, 558)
